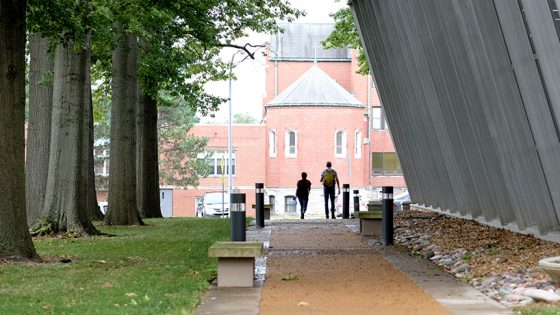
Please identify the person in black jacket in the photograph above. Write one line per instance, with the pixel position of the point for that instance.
(302, 192)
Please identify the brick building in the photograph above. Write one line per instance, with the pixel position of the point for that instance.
(316, 109)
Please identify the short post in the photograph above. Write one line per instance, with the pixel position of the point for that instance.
(237, 215)
(345, 201)
(356, 201)
(387, 217)
(259, 204)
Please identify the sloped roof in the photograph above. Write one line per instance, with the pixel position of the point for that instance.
(315, 88)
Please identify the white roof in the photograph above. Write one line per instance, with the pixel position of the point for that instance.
(315, 88)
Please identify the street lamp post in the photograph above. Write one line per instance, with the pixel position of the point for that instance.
(230, 177)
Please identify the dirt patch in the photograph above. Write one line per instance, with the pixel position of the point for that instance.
(42, 260)
(327, 269)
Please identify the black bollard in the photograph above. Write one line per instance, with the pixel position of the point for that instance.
(387, 218)
(237, 217)
(259, 204)
(345, 201)
(356, 201)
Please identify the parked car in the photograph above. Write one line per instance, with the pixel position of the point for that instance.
(213, 203)
(398, 201)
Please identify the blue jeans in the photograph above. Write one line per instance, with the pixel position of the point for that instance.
(303, 204)
(329, 192)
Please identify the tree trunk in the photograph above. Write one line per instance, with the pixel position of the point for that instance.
(147, 158)
(66, 195)
(39, 127)
(122, 175)
(15, 240)
(93, 211)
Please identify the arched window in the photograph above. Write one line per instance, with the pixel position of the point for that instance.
(340, 144)
(291, 144)
(272, 143)
(358, 144)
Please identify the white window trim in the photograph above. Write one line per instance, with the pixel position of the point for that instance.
(383, 126)
(344, 144)
(216, 156)
(358, 144)
(272, 139)
(287, 144)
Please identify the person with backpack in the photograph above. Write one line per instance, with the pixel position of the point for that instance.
(302, 192)
(329, 178)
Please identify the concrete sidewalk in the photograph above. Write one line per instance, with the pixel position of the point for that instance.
(455, 297)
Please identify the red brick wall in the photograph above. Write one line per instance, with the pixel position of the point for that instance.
(315, 128)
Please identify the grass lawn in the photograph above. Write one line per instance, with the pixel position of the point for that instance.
(539, 309)
(162, 268)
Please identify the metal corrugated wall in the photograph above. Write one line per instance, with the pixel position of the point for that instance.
(470, 90)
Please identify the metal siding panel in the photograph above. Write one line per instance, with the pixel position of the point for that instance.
(408, 105)
(453, 104)
(547, 45)
(535, 101)
(431, 111)
(440, 184)
(505, 110)
(482, 153)
(449, 91)
(384, 80)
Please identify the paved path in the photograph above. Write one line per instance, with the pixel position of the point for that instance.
(333, 270)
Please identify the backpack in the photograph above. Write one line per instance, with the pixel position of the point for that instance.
(328, 179)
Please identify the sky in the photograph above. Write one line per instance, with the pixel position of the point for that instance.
(248, 90)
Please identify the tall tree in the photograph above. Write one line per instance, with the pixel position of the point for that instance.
(122, 176)
(39, 126)
(93, 210)
(15, 240)
(66, 23)
(147, 157)
(344, 35)
(65, 199)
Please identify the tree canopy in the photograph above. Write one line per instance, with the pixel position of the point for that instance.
(345, 34)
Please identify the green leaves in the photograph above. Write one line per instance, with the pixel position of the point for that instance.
(345, 34)
(179, 163)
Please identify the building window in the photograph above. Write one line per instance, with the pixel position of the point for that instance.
(218, 162)
(291, 144)
(340, 144)
(358, 144)
(385, 163)
(291, 204)
(272, 202)
(272, 143)
(378, 120)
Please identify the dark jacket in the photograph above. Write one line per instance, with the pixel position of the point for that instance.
(303, 187)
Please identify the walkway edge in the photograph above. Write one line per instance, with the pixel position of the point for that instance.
(458, 298)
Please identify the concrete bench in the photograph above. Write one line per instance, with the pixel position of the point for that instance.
(236, 262)
(267, 209)
(370, 222)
